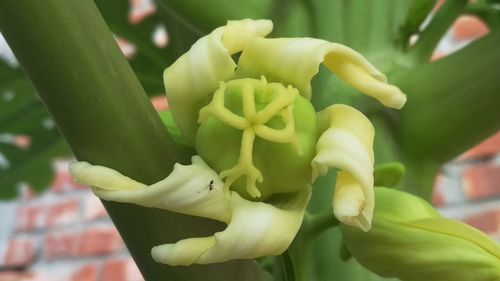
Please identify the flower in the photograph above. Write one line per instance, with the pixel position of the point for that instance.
(411, 241)
(259, 141)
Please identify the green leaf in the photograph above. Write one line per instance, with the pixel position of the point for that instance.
(388, 174)
(487, 11)
(23, 115)
(206, 15)
(418, 12)
(149, 61)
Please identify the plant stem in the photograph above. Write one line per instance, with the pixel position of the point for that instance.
(453, 103)
(317, 223)
(93, 95)
(428, 40)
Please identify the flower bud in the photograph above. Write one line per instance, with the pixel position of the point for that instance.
(260, 137)
(411, 241)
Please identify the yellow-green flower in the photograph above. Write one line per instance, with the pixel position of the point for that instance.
(260, 143)
(411, 241)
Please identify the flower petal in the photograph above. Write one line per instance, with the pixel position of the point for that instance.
(346, 143)
(88, 174)
(190, 189)
(296, 61)
(192, 79)
(256, 229)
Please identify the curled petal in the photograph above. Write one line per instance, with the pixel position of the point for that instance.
(296, 61)
(88, 174)
(346, 143)
(190, 189)
(256, 229)
(192, 79)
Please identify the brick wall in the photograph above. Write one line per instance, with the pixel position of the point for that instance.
(64, 234)
(468, 188)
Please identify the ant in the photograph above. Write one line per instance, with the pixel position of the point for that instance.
(210, 186)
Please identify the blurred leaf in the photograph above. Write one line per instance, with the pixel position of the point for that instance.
(388, 174)
(206, 15)
(23, 116)
(418, 12)
(149, 60)
(487, 11)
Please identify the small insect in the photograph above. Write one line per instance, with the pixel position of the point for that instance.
(210, 186)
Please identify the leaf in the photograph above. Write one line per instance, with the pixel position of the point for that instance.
(206, 15)
(418, 12)
(22, 115)
(388, 174)
(149, 61)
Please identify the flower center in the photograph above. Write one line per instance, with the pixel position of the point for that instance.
(261, 103)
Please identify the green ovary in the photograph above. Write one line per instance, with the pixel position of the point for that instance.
(260, 137)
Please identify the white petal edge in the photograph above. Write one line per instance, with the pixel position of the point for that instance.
(192, 79)
(346, 143)
(190, 189)
(256, 229)
(296, 60)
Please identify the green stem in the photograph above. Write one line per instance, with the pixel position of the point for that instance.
(317, 223)
(93, 95)
(453, 103)
(428, 40)
(301, 248)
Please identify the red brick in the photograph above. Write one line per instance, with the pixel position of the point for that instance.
(469, 27)
(115, 270)
(481, 181)
(60, 245)
(93, 208)
(27, 193)
(438, 5)
(100, 240)
(140, 9)
(437, 56)
(160, 103)
(22, 141)
(488, 147)
(121, 269)
(488, 222)
(30, 217)
(63, 181)
(128, 49)
(20, 252)
(62, 213)
(16, 276)
(87, 272)
(437, 195)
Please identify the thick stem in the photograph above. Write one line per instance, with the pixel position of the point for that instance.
(453, 103)
(87, 85)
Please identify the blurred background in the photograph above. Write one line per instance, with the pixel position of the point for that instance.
(54, 229)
